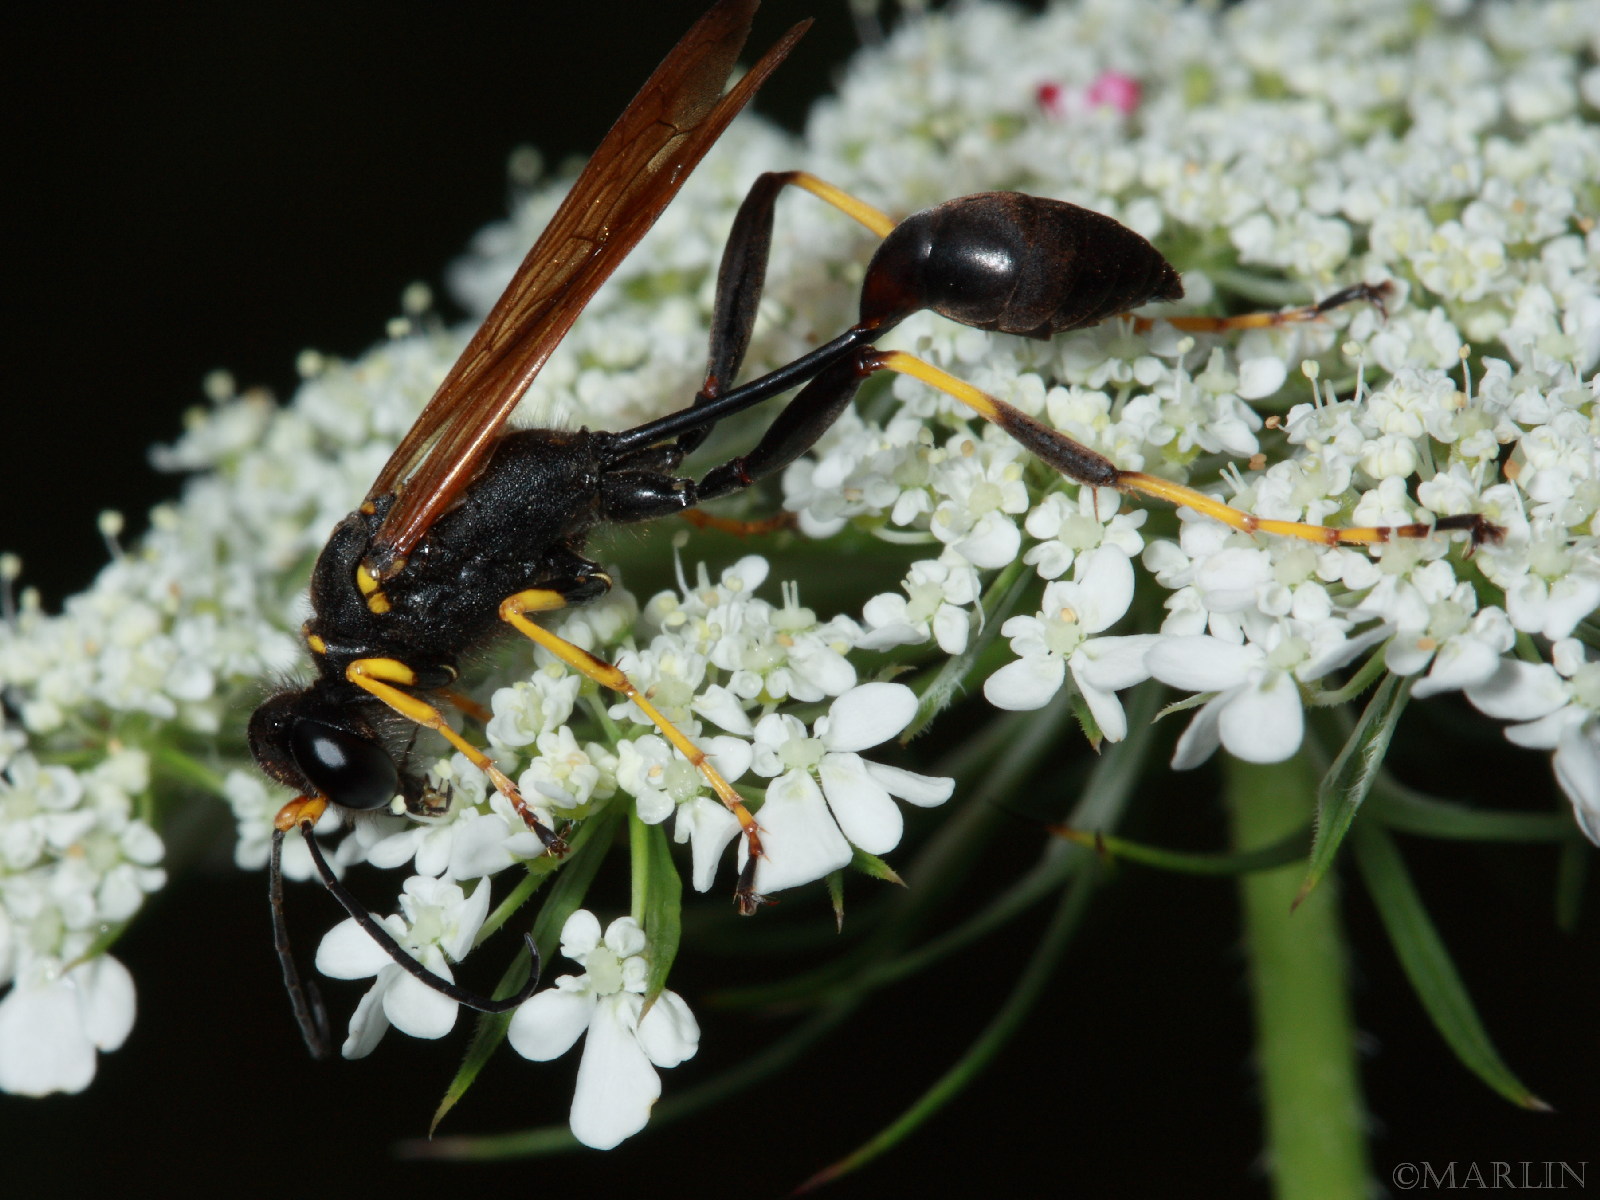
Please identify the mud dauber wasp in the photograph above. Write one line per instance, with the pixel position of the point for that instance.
(471, 530)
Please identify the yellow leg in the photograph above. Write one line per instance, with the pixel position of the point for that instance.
(464, 703)
(379, 677)
(1081, 464)
(1375, 294)
(514, 611)
(874, 219)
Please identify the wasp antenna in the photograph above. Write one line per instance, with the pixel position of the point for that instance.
(309, 1012)
(403, 960)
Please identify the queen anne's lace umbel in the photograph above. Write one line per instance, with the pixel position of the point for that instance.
(1274, 150)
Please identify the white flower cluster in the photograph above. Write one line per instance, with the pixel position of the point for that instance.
(75, 863)
(1278, 151)
(1454, 154)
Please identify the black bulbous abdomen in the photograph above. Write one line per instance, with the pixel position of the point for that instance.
(1011, 263)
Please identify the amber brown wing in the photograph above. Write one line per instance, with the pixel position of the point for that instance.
(637, 169)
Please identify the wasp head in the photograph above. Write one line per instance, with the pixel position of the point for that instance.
(305, 742)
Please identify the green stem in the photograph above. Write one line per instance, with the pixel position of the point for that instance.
(1305, 1031)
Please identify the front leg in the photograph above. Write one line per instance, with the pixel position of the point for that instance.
(390, 680)
(515, 610)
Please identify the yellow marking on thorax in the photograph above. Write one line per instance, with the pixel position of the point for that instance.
(367, 584)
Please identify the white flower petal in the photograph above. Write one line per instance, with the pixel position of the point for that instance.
(395, 850)
(465, 919)
(1107, 712)
(550, 1023)
(708, 827)
(1113, 663)
(1462, 662)
(1026, 684)
(722, 708)
(1519, 691)
(1201, 663)
(580, 934)
(864, 810)
(925, 791)
(625, 937)
(800, 838)
(1545, 733)
(868, 715)
(1259, 377)
(417, 1009)
(1577, 768)
(107, 1001)
(433, 851)
(1263, 723)
(825, 673)
(1572, 598)
(479, 848)
(731, 756)
(992, 543)
(951, 628)
(668, 1033)
(348, 952)
(616, 1084)
(1407, 654)
(369, 1022)
(1105, 588)
(1200, 738)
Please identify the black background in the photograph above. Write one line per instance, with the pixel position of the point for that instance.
(225, 185)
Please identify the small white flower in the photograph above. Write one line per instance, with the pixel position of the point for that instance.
(533, 706)
(1437, 629)
(565, 776)
(1060, 637)
(1256, 713)
(937, 602)
(655, 775)
(53, 1023)
(807, 831)
(983, 494)
(438, 927)
(1067, 527)
(660, 779)
(617, 1082)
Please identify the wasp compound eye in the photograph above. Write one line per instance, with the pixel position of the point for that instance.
(347, 768)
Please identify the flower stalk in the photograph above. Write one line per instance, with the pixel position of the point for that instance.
(1297, 963)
